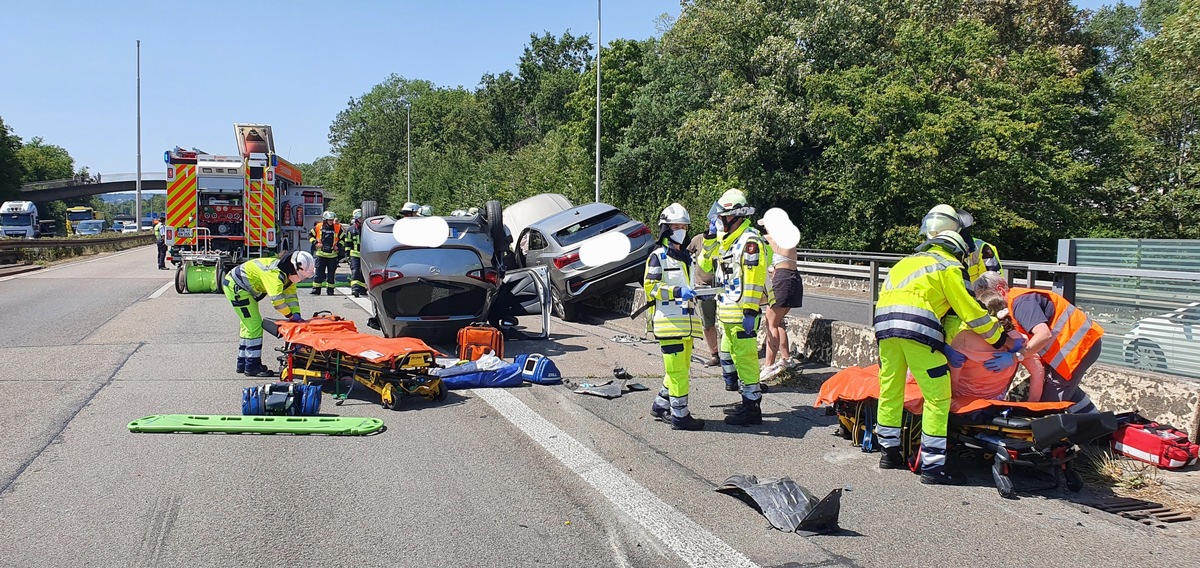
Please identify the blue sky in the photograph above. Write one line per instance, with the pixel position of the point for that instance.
(69, 66)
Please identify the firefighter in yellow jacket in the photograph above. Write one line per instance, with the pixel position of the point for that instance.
(253, 280)
(668, 286)
(738, 257)
(917, 293)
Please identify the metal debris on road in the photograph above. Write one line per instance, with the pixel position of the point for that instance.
(788, 506)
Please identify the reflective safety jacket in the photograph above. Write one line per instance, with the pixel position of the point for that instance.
(1073, 332)
(984, 259)
(322, 239)
(739, 263)
(919, 291)
(261, 277)
(670, 316)
(354, 238)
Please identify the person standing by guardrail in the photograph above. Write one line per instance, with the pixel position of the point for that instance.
(160, 241)
(917, 293)
(738, 261)
(787, 286)
(328, 242)
(672, 300)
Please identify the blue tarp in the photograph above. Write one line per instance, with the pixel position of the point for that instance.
(506, 376)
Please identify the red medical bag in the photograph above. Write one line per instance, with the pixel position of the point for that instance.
(1157, 444)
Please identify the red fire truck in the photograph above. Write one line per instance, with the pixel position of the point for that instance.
(222, 210)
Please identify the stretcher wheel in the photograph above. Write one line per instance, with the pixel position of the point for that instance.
(1003, 482)
(1074, 480)
(442, 391)
(389, 398)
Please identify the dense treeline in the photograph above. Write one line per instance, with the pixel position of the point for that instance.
(27, 162)
(855, 116)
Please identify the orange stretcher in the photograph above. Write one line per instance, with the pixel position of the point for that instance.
(1038, 435)
(332, 348)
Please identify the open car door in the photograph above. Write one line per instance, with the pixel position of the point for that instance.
(524, 292)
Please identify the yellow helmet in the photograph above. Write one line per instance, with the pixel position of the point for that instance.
(732, 203)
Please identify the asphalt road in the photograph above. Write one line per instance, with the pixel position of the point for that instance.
(517, 477)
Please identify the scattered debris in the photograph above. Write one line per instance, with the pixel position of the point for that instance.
(788, 506)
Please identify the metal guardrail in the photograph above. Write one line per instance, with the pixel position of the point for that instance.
(17, 244)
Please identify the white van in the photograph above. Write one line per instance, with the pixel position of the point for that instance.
(522, 214)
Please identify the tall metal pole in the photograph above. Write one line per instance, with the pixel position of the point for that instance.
(137, 208)
(598, 47)
(408, 145)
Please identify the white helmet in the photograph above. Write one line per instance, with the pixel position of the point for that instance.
(425, 211)
(329, 216)
(305, 265)
(409, 207)
(674, 214)
(950, 240)
(473, 211)
(732, 203)
(357, 214)
(939, 219)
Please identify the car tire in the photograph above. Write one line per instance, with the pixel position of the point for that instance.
(1147, 355)
(370, 209)
(568, 312)
(493, 213)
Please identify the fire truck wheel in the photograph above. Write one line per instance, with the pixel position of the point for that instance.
(370, 209)
(181, 279)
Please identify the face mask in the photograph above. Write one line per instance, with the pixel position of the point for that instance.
(678, 235)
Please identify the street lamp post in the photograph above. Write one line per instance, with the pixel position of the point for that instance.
(598, 47)
(408, 141)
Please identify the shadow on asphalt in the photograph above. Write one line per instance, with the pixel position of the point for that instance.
(361, 395)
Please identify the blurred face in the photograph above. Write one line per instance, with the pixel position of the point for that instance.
(294, 278)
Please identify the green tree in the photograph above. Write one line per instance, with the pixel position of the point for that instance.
(12, 169)
(45, 162)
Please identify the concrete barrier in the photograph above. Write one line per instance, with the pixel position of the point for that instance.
(1163, 398)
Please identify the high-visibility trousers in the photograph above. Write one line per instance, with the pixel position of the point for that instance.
(897, 357)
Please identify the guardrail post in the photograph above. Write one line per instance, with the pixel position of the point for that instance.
(1064, 282)
(874, 283)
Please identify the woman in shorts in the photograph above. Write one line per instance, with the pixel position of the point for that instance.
(788, 291)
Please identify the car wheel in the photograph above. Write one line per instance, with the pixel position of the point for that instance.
(1147, 356)
(494, 214)
(370, 209)
(566, 311)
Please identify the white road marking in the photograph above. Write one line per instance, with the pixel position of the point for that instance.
(61, 266)
(164, 288)
(693, 544)
(363, 303)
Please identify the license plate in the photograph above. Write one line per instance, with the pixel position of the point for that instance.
(184, 231)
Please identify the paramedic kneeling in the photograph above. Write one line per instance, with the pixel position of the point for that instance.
(250, 282)
(1060, 334)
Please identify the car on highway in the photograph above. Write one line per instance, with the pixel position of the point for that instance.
(1167, 342)
(554, 243)
(431, 293)
(90, 227)
(124, 227)
(530, 210)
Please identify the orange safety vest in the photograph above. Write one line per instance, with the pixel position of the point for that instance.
(1073, 332)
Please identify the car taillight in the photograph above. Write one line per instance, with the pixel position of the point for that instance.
(486, 275)
(575, 284)
(379, 277)
(640, 232)
(565, 259)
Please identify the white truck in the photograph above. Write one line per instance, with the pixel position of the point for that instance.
(19, 219)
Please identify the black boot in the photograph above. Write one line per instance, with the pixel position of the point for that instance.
(661, 408)
(255, 368)
(942, 477)
(748, 414)
(687, 423)
(316, 290)
(241, 366)
(329, 291)
(891, 458)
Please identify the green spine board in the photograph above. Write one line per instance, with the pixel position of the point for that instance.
(202, 423)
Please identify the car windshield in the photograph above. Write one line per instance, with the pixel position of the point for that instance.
(16, 219)
(590, 227)
(94, 225)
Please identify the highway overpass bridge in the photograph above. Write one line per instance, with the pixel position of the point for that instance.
(57, 190)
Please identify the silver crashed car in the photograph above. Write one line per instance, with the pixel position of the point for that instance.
(554, 243)
(431, 293)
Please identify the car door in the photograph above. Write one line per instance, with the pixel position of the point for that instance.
(524, 291)
(1182, 346)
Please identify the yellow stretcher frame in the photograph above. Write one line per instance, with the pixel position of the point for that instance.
(407, 375)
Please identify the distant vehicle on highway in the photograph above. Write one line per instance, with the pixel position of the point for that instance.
(90, 227)
(1167, 342)
(124, 227)
(554, 243)
(19, 219)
